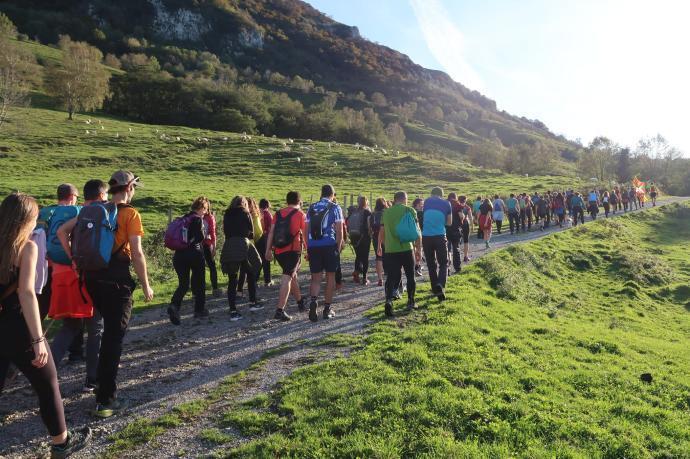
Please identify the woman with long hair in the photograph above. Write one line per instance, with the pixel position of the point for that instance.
(210, 245)
(360, 238)
(374, 226)
(22, 341)
(485, 220)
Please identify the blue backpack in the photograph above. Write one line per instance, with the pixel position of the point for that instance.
(93, 237)
(59, 216)
(407, 229)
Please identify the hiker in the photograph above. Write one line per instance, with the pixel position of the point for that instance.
(625, 200)
(454, 230)
(190, 260)
(542, 212)
(475, 212)
(499, 212)
(418, 206)
(71, 303)
(437, 216)
(559, 208)
(266, 223)
(653, 193)
(258, 232)
(534, 199)
(239, 252)
(605, 201)
(578, 208)
(486, 221)
(22, 340)
(339, 269)
(358, 223)
(402, 249)
(209, 246)
(111, 288)
(593, 204)
(375, 226)
(641, 197)
(324, 243)
(613, 201)
(287, 238)
(525, 212)
(632, 196)
(467, 227)
(513, 206)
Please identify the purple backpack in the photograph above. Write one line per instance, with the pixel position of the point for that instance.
(177, 233)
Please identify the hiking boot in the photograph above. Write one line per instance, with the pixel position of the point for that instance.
(487, 245)
(282, 315)
(257, 305)
(355, 277)
(235, 316)
(411, 305)
(76, 440)
(201, 313)
(466, 260)
(328, 312)
(440, 293)
(313, 316)
(89, 386)
(174, 314)
(388, 308)
(300, 305)
(106, 410)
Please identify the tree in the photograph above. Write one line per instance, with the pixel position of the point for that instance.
(379, 99)
(139, 62)
(598, 158)
(81, 83)
(15, 82)
(112, 61)
(395, 134)
(7, 27)
(623, 165)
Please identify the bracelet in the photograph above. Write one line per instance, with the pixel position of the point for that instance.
(40, 339)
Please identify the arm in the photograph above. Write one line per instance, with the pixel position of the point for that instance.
(449, 219)
(339, 236)
(139, 261)
(382, 239)
(418, 249)
(269, 245)
(64, 234)
(29, 304)
(212, 232)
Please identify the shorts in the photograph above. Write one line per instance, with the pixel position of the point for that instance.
(466, 232)
(289, 262)
(653, 194)
(323, 259)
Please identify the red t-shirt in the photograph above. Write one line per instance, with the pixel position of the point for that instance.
(266, 220)
(298, 227)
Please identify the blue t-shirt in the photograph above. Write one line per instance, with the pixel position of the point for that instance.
(592, 197)
(577, 201)
(435, 212)
(334, 215)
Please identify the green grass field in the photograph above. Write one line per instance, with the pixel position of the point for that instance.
(538, 352)
(45, 150)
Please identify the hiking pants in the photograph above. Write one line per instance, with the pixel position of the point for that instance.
(514, 221)
(15, 348)
(393, 263)
(265, 265)
(499, 225)
(113, 299)
(578, 211)
(72, 328)
(362, 255)
(211, 263)
(186, 262)
(436, 254)
(454, 249)
(232, 270)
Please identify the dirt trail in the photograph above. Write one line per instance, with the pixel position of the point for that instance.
(164, 366)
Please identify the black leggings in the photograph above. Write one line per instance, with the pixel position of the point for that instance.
(15, 344)
(186, 262)
(265, 264)
(362, 256)
(211, 263)
(233, 270)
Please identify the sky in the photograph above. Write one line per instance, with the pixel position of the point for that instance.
(618, 68)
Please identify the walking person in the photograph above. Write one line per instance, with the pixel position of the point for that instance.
(418, 206)
(625, 199)
(605, 200)
(375, 226)
(209, 246)
(399, 255)
(593, 204)
(632, 197)
(486, 221)
(467, 227)
(513, 213)
(239, 252)
(454, 230)
(559, 208)
(613, 199)
(324, 243)
(358, 224)
(475, 212)
(111, 288)
(437, 216)
(578, 205)
(266, 223)
(22, 340)
(653, 193)
(191, 260)
(257, 228)
(287, 237)
(499, 212)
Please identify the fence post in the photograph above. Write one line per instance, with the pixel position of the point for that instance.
(169, 215)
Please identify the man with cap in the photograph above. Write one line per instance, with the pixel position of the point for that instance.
(111, 289)
(437, 215)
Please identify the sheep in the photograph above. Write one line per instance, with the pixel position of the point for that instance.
(259, 150)
(284, 145)
(273, 136)
(87, 132)
(225, 139)
(117, 135)
(383, 150)
(289, 140)
(204, 139)
(299, 160)
(130, 129)
(87, 121)
(177, 139)
(335, 163)
(309, 140)
(102, 128)
(99, 121)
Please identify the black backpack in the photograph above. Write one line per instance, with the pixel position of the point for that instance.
(356, 225)
(282, 236)
(376, 219)
(316, 219)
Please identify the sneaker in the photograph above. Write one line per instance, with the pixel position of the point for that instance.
(466, 259)
(300, 305)
(328, 312)
(89, 387)
(106, 410)
(235, 316)
(365, 282)
(270, 284)
(313, 316)
(388, 310)
(256, 306)
(282, 315)
(174, 314)
(487, 245)
(397, 295)
(441, 294)
(411, 305)
(76, 440)
(201, 314)
(418, 273)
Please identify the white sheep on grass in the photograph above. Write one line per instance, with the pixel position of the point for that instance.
(87, 132)
(130, 129)
(299, 160)
(259, 150)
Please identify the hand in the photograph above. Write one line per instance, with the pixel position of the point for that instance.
(40, 354)
(269, 255)
(306, 255)
(379, 252)
(417, 256)
(148, 292)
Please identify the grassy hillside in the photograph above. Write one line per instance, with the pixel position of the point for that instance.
(44, 150)
(538, 352)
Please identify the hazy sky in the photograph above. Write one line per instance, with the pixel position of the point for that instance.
(618, 68)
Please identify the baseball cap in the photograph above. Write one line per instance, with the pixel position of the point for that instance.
(123, 178)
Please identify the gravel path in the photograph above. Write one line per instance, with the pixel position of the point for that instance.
(164, 365)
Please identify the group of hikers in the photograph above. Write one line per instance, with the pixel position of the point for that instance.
(72, 263)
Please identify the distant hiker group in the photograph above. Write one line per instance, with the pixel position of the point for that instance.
(73, 264)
